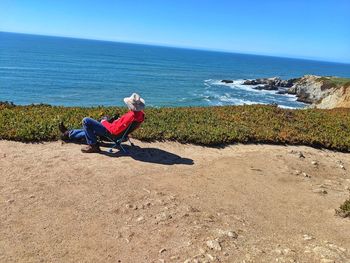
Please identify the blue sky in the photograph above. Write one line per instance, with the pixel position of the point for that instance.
(314, 29)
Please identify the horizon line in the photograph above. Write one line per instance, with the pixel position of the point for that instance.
(180, 47)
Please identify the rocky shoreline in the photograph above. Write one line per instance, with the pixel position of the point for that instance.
(271, 83)
(320, 92)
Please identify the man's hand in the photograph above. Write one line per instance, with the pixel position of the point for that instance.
(110, 119)
(115, 117)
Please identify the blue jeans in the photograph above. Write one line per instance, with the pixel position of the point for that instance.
(91, 129)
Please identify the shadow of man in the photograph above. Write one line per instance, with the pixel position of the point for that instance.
(151, 155)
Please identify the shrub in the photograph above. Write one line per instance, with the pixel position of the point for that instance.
(344, 209)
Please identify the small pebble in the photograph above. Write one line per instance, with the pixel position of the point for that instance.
(139, 219)
(214, 244)
(146, 190)
(306, 175)
(308, 237)
(320, 191)
(326, 260)
(286, 251)
(210, 257)
(232, 234)
(278, 251)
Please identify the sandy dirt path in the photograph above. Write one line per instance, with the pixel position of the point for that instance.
(169, 202)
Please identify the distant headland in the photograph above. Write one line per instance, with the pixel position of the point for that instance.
(319, 91)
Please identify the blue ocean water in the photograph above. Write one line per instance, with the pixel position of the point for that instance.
(67, 71)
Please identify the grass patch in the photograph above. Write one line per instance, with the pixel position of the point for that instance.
(209, 126)
(334, 82)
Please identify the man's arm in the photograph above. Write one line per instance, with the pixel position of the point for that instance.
(119, 125)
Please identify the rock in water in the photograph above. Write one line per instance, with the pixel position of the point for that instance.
(270, 83)
(227, 81)
(266, 87)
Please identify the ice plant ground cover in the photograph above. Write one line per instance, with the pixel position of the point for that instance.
(210, 126)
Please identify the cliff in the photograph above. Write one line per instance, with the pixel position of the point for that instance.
(339, 98)
(320, 92)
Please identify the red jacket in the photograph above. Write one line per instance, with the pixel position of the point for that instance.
(123, 122)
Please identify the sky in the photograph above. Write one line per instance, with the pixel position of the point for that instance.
(310, 29)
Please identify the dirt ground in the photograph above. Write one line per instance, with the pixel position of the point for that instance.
(169, 202)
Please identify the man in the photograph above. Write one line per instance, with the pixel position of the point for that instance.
(92, 128)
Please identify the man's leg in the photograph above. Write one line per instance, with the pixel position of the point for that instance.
(70, 135)
(76, 134)
(92, 129)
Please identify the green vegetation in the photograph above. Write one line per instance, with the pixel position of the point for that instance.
(334, 82)
(344, 209)
(199, 125)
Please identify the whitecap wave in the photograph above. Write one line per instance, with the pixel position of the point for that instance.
(217, 99)
(245, 94)
(286, 107)
(238, 84)
(21, 68)
(235, 101)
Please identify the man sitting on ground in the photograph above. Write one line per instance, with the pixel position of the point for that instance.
(92, 128)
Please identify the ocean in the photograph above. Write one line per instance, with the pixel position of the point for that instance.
(79, 72)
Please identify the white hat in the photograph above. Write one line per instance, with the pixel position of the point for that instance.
(135, 102)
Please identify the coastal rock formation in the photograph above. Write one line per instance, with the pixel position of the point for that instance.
(309, 89)
(270, 83)
(227, 81)
(320, 92)
(339, 98)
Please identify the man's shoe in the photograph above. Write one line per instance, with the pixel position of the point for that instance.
(63, 129)
(91, 149)
(65, 136)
